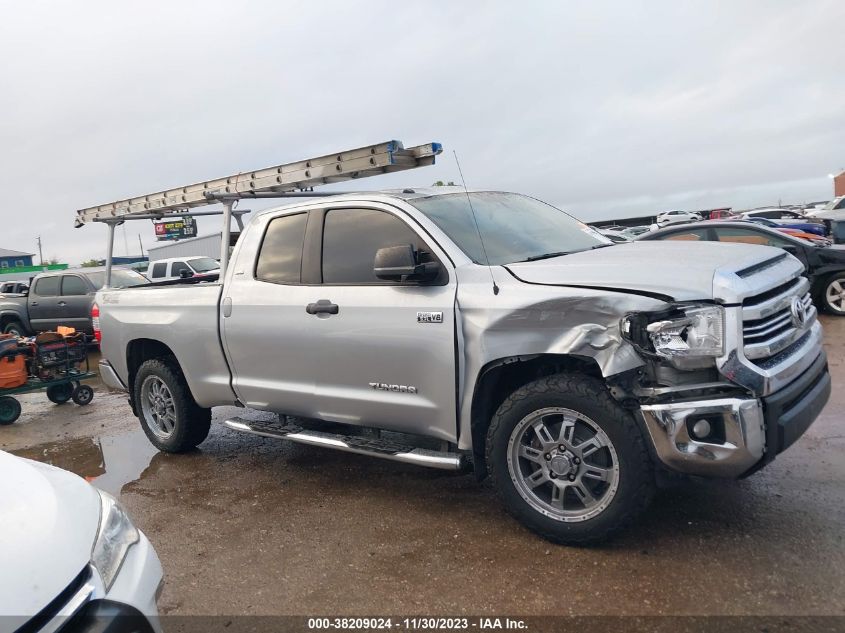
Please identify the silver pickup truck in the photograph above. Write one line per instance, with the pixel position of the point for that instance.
(448, 328)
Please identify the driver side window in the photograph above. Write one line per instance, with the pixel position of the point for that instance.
(351, 238)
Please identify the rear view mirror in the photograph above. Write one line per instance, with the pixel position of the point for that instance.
(399, 263)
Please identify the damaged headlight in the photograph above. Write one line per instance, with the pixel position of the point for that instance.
(689, 336)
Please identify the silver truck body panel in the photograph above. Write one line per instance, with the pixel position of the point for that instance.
(182, 317)
(525, 320)
(681, 270)
(371, 364)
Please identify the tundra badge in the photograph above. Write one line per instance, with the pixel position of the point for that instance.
(383, 386)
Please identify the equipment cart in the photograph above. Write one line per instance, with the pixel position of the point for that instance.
(56, 367)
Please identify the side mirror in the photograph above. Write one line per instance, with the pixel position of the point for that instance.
(185, 274)
(399, 263)
(24, 292)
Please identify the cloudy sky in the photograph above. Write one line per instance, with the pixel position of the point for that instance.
(606, 109)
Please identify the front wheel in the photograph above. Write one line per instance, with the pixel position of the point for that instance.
(170, 417)
(568, 461)
(834, 294)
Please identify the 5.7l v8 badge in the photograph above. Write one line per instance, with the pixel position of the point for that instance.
(429, 317)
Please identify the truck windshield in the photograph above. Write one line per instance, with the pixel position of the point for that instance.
(204, 264)
(120, 278)
(515, 228)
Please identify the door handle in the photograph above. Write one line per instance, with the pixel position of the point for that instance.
(33, 303)
(63, 303)
(323, 306)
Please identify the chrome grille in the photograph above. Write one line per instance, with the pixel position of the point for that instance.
(768, 323)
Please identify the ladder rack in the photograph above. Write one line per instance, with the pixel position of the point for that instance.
(289, 179)
(363, 162)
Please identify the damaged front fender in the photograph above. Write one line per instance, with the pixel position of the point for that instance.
(524, 320)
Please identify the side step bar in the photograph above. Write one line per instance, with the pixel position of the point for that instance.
(351, 444)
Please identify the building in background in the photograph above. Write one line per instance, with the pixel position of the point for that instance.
(15, 259)
(205, 246)
(839, 185)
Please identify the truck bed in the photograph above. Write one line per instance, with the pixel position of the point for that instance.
(185, 318)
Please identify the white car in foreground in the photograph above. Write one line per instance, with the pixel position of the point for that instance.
(68, 550)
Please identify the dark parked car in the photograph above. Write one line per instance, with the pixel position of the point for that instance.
(825, 265)
(61, 298)
(816, 228)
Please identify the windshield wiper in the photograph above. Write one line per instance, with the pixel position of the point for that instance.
(534, 258)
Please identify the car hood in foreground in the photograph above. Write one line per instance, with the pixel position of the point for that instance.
(48, 523)
(674, 270)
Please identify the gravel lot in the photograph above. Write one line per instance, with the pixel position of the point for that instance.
(250, 525)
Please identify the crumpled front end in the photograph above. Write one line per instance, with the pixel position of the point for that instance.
(772, 382)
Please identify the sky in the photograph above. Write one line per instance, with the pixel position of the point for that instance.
(604, 109)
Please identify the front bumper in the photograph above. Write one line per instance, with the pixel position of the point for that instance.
(752, 431)
(128, 606)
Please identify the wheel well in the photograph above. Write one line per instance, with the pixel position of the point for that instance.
(498, 379)
(140, 351)
(10, 318)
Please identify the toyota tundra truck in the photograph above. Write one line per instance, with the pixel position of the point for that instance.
(483, 330)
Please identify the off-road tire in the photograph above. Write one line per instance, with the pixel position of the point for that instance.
(587, 396)
(192, 421)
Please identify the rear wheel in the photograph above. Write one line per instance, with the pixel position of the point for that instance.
(10, 410)
(60, 393)
(170, 417)
(833, 295)
(568, 461)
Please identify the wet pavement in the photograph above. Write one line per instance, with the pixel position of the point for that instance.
(250, 525)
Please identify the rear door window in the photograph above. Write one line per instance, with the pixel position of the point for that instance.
(47, 287)
(280, 258)
(73, 286)
(159, 270)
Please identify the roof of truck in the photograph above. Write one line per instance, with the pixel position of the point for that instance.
(408, 193)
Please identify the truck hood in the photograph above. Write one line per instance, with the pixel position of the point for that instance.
(668, 270)
(48, 525)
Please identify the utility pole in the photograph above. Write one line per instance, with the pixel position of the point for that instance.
(40, 254)
(141, 244)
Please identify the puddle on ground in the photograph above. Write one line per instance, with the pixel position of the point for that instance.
(108, 462)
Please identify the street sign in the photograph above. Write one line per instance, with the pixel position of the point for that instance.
(176, 229)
